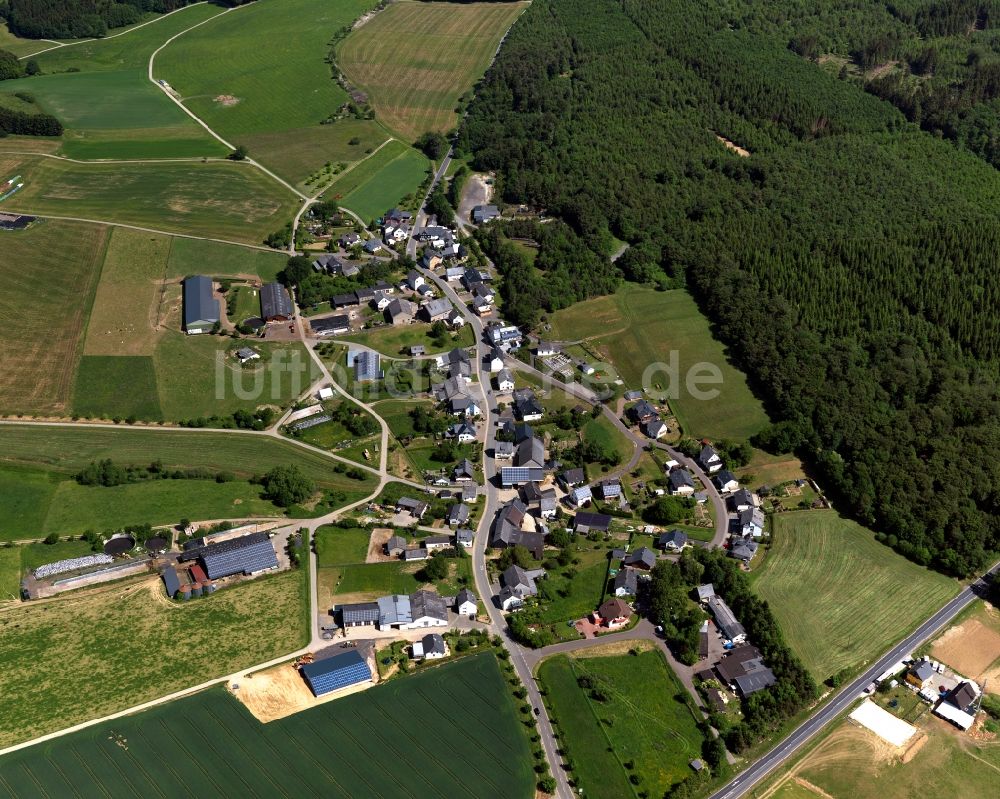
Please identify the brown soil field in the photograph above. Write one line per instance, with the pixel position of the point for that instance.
(972, 647)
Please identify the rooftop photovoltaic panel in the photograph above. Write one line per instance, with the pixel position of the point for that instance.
(247, 554)
(332, 674)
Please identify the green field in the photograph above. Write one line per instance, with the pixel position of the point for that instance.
(358, 582)
(246, 303)
(103, 96)
(338, 545)
(225, 200)
(38, 495)
(10, 573)
(603, 431)
(195, 256)
(840, 597)
(415, 60)
(641, 722)
(17, 45)
(280, 90)
(388, 186)
(131, 646)
(98, 391)
(209, 739)
(395, 341)
(576, 595)
(40, 352)
(637, 327)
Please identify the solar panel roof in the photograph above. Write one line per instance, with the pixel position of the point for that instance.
(332, 674)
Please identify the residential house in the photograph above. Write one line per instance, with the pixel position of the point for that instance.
(592, 522)
(395, 546)
(453, 274)
(503, 450)
(427, 609)
(464, 471)
(420, 553)
(246, 354)
(643, 558)
(430, 647)
(742, 500)
(681, 483)
(463, 432)
(505, 380)
(457, 514)
(454, 319)
(494, 361)
(481, 307)
(436, 310)
(507, 530)
(743, 670)
(518, 585)
(709, 459)
(373, 246)
(464, 537)
(414, 280)
(615, 612)
(400, 312)
(466, 603)
(750, 522)
(544, 349)
(572, 477)
(469, 492)
(464, 406)
(742, 548)
(726, 481)
(609, 489)
(484, 213)
(920, 673)
(642, 412)
(655, 429)
(705, 592)
(626, 582)
(417, 350)
(673, 541)
(530, 453)
(435, 542)
(526, 406)
(363, 296)
(580, 496)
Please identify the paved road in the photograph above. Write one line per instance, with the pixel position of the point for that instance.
(846, 697)
(420, 218)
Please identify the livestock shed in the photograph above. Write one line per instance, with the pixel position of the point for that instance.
(275, 304)
(201, 309)
(248, 554)
(335, 673)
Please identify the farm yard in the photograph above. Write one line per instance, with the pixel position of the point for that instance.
(639, 326)
(40, 353)
(840, 597)
(130, 645)
(618, 715)
(271, 99)
(416, 60)
(38, 495)
(101, 93)
(224, 200)
(217, 742)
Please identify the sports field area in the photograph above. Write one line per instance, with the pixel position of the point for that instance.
(51, 306)
(271, 97)
(618, 715)
(101, 93)
(415, 60)
(337, 749)
(840, 597)
(223, 200)
(637, 327)
(39, 496)
(106, 649)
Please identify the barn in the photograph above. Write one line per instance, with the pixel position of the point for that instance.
(275, 304)
(333, 674)
(248, 554)
(201, 309)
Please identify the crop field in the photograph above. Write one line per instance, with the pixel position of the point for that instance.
(101, 93)
(364, 171)
(196, 256)
(40, 352)
(132, 645)
(210, 739)
(222, 200)
(416, 60)
(10, 574)
(388, 186)
(861, 595)
(646, 725)
(116, 387)
(637, 327)
(853, 762)
(249, 92)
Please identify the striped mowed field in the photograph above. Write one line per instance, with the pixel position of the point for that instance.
(840, 597)
(415, 60)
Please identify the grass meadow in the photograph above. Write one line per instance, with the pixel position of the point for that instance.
(645, 721)
(10, 574)
(840, 597)
(388, 186)
(49, 273)
(329, 750)
(195, 256)
(639, 326)
(338, 545)
(16, 45)
(415, 60)
(100, 91)
(229, 201)
(395, 341)
(358, 582)
(269, 57)
(130, 645)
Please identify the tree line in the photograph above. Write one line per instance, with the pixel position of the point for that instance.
(847, 262)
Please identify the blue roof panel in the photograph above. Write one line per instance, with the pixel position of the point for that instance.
(332, 674)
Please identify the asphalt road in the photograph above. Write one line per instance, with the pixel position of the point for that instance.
(848, 695)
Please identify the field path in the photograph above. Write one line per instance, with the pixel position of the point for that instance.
(173, 97)
(195, 159)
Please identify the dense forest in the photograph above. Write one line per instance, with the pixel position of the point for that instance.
(846, 257)
(78, 19)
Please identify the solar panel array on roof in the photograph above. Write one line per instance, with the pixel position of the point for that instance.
(248, 554)
(332, 674)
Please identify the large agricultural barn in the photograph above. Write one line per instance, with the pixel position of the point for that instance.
(275, 304)
(201, 309)
(249, 554)
(332, 674)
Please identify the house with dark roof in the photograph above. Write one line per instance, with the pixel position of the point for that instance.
(201, 309)
(744, 670)
(613, 613)
(572, 477)
(709, 459)
(464, 537)
(419, 553)
(249, 554)
(400, 311)
(729, 627)
(592, 522)
(503, 450)
(414, 507)
(484, 213)
(742, 548)
(518, 585)
(681, 483)
(395, 546)
(464, 433)
(920, 673)
(427, 609)
(464, 470)
(367, 365)
(275, 304)
(642, 412)
(726, 481)
(335, 673)
(359, 614)
(672, 541)
(430, 647)
(526, 406)
(626, 582)
(643, 558)
(436, 310)
(457, 514)
(466, 603)
(531, 453)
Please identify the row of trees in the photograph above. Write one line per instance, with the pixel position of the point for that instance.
(847, 262)
(19, 123)
(107, 473)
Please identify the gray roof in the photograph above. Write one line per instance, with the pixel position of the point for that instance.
(400, 308)
(394, 609)
(755, 681)
(330, 323)
(677, 538)
(367, 365)
(359, 612)
(244, 555)
(274, 301)
(680, 478)
(395, 542)
(627, 579)
(200, 307)
(428, 603)
(706, 591)
(458, 514)
(433, 644)
(464, 535)
(502, 448)
(642, 556)
(573, 477)
(437, 307)
(465, 595)
(725, 619)
(505, 376)
(595, 521)
(530, 452)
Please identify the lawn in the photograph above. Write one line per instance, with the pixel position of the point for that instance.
(197, 257)
(638, 327)
(584, 589)
(336, 546)
(367, 581)
(102, 94)
(415, 60)
(603, 431)
(242, 302)
(225, 200)
(130, 646)
(283, 87)
(641, 722)
(40, 352)
(859, 596)
(395, 341)
(388, 186)
(123, 320)
(209, 739)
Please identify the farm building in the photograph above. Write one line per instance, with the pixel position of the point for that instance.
(249, 554)
(335, 673)
(15, 221)
(359, 614)
(367, 365)
(171, 582)
(275, 304)
(731, 630)
(201, 309)
(330, 325)
(484, 213)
